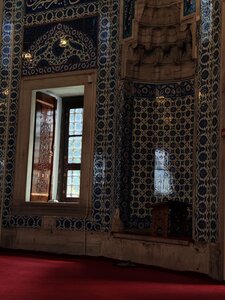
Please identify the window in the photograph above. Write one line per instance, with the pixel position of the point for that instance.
(72, 148)
(64, 147)
(163, 181)
(54, 163)
(43, 148)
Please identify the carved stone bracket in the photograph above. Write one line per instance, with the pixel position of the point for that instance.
(163, 45)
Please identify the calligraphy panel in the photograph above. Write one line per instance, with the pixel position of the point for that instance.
(37, 6)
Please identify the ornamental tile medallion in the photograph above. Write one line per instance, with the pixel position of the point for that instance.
(43, 42)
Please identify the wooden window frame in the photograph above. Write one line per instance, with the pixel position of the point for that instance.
(28, 85)
(68, 103)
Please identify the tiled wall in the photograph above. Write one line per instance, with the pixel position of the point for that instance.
(207, 122)
(43, 42)
(106, 62)
(207, 156)
(154, 134)
(157, 149)
(10, 82)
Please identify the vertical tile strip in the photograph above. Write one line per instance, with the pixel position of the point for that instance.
(207, 177)
(10, 73)
(105, 117)
(6, 63)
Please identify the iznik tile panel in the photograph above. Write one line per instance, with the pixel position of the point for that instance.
(107, 70)
(206, 201)
(11, 51)
(49, 56)
(208, 123)
(36, 6)
(159, 132)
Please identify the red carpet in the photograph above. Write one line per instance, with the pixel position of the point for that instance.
(33, 277)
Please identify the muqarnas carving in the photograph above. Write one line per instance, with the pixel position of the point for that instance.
(43, 43)
(162, 45)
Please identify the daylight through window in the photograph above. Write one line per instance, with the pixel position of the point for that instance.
(55, 152)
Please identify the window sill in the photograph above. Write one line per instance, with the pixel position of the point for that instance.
(50, 209)
(152, 239)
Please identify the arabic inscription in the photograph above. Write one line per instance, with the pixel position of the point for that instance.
(33, 6)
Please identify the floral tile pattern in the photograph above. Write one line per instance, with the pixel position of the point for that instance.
(157, 149)
(207, 158)
(48, 56)
(107, 192)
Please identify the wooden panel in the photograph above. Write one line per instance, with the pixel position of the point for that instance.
(43, 148)
(160, 220)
